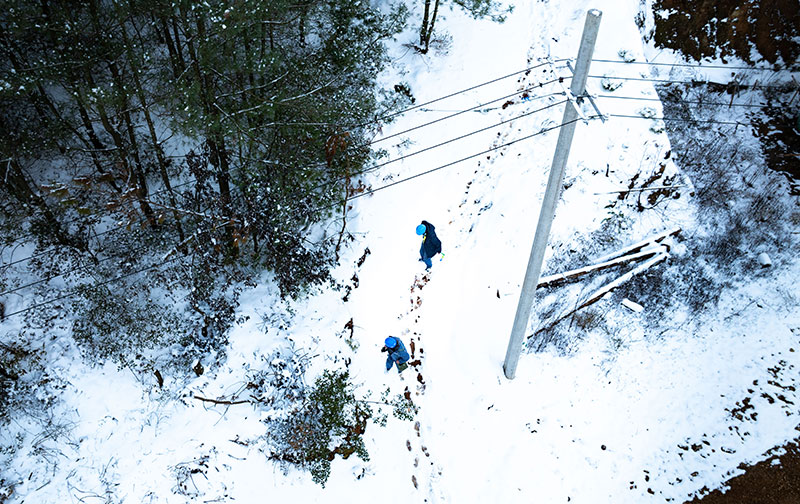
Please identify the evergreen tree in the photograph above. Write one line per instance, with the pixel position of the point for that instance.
(265, 109)
(476, 8)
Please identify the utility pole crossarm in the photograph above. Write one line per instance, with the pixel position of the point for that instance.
(573, 100)
(601, 115)
(551, 195)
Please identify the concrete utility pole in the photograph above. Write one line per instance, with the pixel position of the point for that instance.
(552, 193)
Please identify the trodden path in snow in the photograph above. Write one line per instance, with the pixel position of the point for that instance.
(425, 470)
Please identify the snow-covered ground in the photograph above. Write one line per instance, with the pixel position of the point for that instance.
(643, 418)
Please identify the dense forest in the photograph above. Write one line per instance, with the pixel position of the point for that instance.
(193, 144)
(160, 156)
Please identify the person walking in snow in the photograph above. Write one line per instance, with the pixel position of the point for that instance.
(397, 354)
(430, 243)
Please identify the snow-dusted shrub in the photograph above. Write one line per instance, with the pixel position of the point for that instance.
(658, 126)
(441, 44)
(173, 319)
(404, 90)
(185, 482)
(24, 383)
(587, 319)
(609, 83)
(626, 55)
(648, 112)
(6, 489)
(614, 225)
(29, 430)
(330, 421)
(281, 387)
(111, 326)
(682, 281)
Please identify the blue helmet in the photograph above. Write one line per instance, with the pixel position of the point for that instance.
(390, 342)
(421, 229)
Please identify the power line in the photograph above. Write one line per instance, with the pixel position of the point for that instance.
(667, 81)
(367, 144)
(461, 137)
(127, 253)
(385, 117)
(709, 121)
(373, 142)
(105, 282)
(680, 100)
(689, 65)
(373, 168)
(81, 217)
(476, 107)
(111, 229)
(365, 193)
(489, 109)
(425, 104)
(492, 149)
(361, 172)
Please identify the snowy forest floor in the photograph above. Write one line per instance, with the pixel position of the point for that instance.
(773, 203)
(769, 202)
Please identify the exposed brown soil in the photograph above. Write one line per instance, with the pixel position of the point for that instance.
(775, 480)
(710, 28)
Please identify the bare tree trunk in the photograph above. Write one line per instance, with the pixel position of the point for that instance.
(215, 140)
(219, 158)
(13, 180)
(302, 25)
(122, 155)
(173, 52)
(138, 171)
(423, 31)
(179, 51)
(162, 163)
(94, 140)
(142, 191)
(426, 31)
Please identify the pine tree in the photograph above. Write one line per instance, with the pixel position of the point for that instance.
(476, 8)
(273, 103)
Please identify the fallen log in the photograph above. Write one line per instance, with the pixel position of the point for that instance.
(220, 401)
(638, 245)
(642, 189)
(571, 274)
(602, 291)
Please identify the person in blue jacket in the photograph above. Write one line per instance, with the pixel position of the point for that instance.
(397, 353)
(431, 245)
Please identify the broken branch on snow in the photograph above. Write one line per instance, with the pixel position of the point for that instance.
(220, 401)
